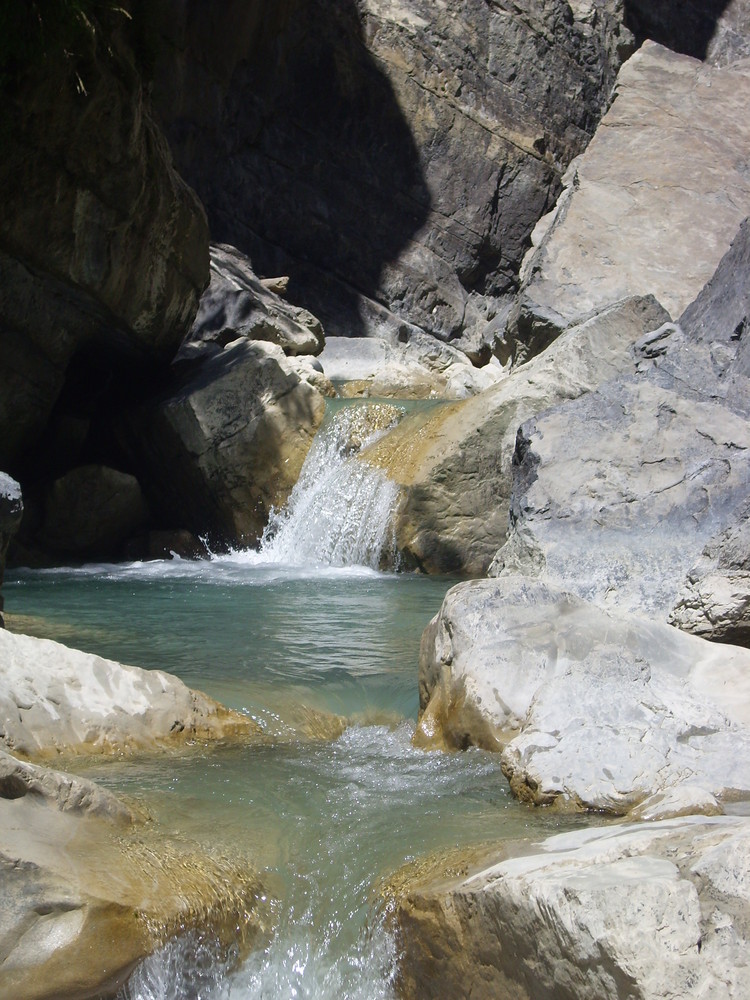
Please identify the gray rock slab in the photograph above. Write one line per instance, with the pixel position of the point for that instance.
(589, 708)
(454, 464)
(648, 911)
(714, 601)
(616, 494)
(237, 303)
(651, 206)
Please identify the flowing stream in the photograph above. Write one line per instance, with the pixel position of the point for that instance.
(301, 631)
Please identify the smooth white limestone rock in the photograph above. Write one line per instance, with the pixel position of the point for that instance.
(650, 911)
(590, 708)
(53, 698)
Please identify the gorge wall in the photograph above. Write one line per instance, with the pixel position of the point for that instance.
(392, 158)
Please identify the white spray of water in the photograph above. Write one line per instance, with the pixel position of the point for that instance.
(340, 513)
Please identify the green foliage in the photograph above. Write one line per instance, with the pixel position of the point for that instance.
(33, 32)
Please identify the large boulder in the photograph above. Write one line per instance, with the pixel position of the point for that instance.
(11, 512)
(453, 463)
(391, 158)
(648, 912)
(54, 699)
(589, 708)
(88, 892)
(91, 511)
(103, 248)
(238, 304)
(652, 204)
(224, 442)
(715, 599)
(616, 494)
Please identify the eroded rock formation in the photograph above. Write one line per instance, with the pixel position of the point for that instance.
(454, 463)
(103, 247)
(238, 304)
(715, 599)
(589, 708)
(616, 494)
(224, 440)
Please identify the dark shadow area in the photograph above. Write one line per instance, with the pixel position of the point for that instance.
(293, 138)
(685, 26)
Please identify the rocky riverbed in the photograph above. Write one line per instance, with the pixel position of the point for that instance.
(531, 212)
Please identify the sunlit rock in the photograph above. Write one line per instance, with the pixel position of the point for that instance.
(453, 463)
(591, 709)
(53, 699)
(416, 367)
(616, 494)
(648, 911)
(652, 204)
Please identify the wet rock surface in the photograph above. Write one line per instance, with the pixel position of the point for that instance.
(89, 890)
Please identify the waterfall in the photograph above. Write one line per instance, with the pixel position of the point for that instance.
(340, 513)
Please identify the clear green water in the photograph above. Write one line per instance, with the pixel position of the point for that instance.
(324, 820)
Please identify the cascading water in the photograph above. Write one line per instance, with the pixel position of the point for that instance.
(272, 633)
(340, 513)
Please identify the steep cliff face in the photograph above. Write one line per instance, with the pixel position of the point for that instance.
(392, 157)
(103, 248)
